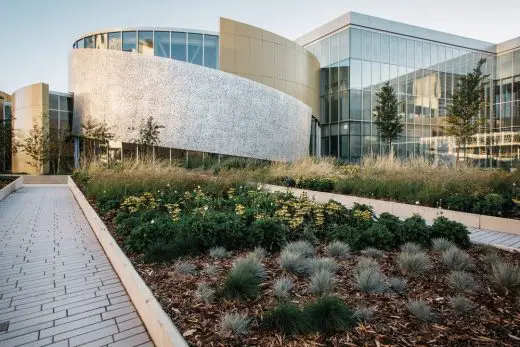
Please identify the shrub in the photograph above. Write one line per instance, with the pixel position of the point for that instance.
(244, 279)
(441, 244)
(344, 233)
(452, 231)
(461, 305)
(391, 222)
(322, 282)
(457, 259)
(329, 314)
(205, 292)
(338, 249)
(364, 314)
(185, 268)
(413, 264)
(321, 184)
(293, 263)
(269, 233)
(365, 263)
(149, 231)
(373, 253)
(462, 281)
(421, 310)
(163, 251)
(371, 281)
(491, 204)
(218, 252)
(318, 264)
(302, 248)
(398, 285)
(376, 235)
(506, 275)
(414, 229)
(235, 324)
(282, 287)
(411, 247)
(286, 318)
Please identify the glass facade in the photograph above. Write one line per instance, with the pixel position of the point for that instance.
(60, 127)
(195, 48)
(356, 62)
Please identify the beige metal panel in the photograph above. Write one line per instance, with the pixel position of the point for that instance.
(29, 104)
(270, 59)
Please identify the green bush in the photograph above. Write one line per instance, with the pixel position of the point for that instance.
(376, 236)
(344, 233)
(329, 314)
(391, 222)
(491, 204)
(149, 232)
(269, 233)
(450, 230)
(107, 203)
(414, 229)
(321, 184)
(286, 318)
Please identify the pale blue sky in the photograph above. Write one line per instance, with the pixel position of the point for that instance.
(38, 34)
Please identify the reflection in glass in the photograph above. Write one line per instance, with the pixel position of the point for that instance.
(211, 51)
(53, 101)
(80, 43)
(355, 105)
(344, 44)
(334, 105)
(179, 46)
(195, 48)
(355, 43)
(334, 49)
(367, 45)
(129, 41)
(114, 41)
(162, 44)
(101, 41)
(146, 42)
(385, 48)
(355, 74)
(89, 42)
(343, 74)
(376, 47)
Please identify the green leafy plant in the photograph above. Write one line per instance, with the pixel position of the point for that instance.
(270, 233)
(414, 229)
(235, 324)
(286, 318)
(329, 314)
(386, 115)
(377, 236)
(322, 282)
(462, 282)
(244, 279)
(450, 230)
(413, 264)
(457, 259)
(338, 249)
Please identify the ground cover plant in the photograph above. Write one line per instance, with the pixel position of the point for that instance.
(5, 180)
(235, 265)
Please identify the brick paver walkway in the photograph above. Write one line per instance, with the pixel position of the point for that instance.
(57, 286)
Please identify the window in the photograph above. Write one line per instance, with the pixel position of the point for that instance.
(89, 42)
(114, 41)
(506, 65)
(325, 52)
(355, 104)
(376, 76)
(343, 146)
(334, 49)
(129, 41)
(334, 104)
(426, 54)
(344, 49)
(402, 51)
(410, 52)
(394, 50)
(343, 74)
(516, 88)
(64, 104)
(162, 44)
(53, 101)
(434, 54)
(211, 51)
(333, 79)
(179, 46)
(101, 41)
(195, 48)
(385, 48)
(506, 89)
(324, 81)
(376, 47)
(80, 44)
(367, 45)
(146, 42)
(355, 43)
(418, 55)
(385, 73)
(343, 106)
(516, 62)
(366, 75)
(355, 74)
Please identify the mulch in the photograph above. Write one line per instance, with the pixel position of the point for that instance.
(496, 322)
(5, 180)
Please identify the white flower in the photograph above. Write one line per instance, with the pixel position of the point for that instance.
(168, 185)
(205, 208)
(152, 221)
(417, 202)
(175, 192)
(104, 191)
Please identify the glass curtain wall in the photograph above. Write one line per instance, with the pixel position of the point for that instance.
(195, 48)
(357, 62)
(60, 127)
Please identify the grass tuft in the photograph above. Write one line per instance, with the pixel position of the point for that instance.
(235, 324)
(259, 253)
(371, 280)
(364, 314)
(373, 253)
(293, 262)
(218, 252)
(185, 268)
(411, 247)
(244, 279)
(398, 285)
(421, 310)
(365, 263)
(329, 314)
(302, 248)
(317, 264)
(462, 306)
(205, 293)
(506, 275)
(322, 282)
(286, 318)
(413, 264)
(457, 259)
(338, 249)
(462, 282)
(441, 244)
(282, 287)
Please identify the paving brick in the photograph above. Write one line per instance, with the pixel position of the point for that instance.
(81, 315)
(130, 332)
(135, 340)
(93, 336)
(86, 329)
(19, 340)
(118, 312)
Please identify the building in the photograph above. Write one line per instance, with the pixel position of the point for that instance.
(247, 92)
(5, 126)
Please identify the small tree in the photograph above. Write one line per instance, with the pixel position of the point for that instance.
(386, 115)
(8, 142)
(98, 133)
(463, 120)
(36, 145)
(149, 131)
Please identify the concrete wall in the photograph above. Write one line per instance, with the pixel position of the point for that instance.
(270, 59)
(202, 109)
(29, 104)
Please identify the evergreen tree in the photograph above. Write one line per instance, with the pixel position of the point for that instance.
(463, 119)
(386, 115)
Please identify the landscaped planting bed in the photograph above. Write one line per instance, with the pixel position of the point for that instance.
(234, 265)
(5, 180)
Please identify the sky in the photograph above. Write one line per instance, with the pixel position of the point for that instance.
(38, 34)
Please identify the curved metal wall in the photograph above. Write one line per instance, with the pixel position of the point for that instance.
(202, 109)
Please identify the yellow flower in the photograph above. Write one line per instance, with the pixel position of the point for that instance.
(240, 210)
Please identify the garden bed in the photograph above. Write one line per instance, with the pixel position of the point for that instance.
(5, 180)
(338, 296)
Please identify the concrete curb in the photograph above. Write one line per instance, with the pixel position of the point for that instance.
(11, 188)
(470, 220)
(157, 322)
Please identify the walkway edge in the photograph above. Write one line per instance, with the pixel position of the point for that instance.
(471, 220)
(159, 325)
(11, 188)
